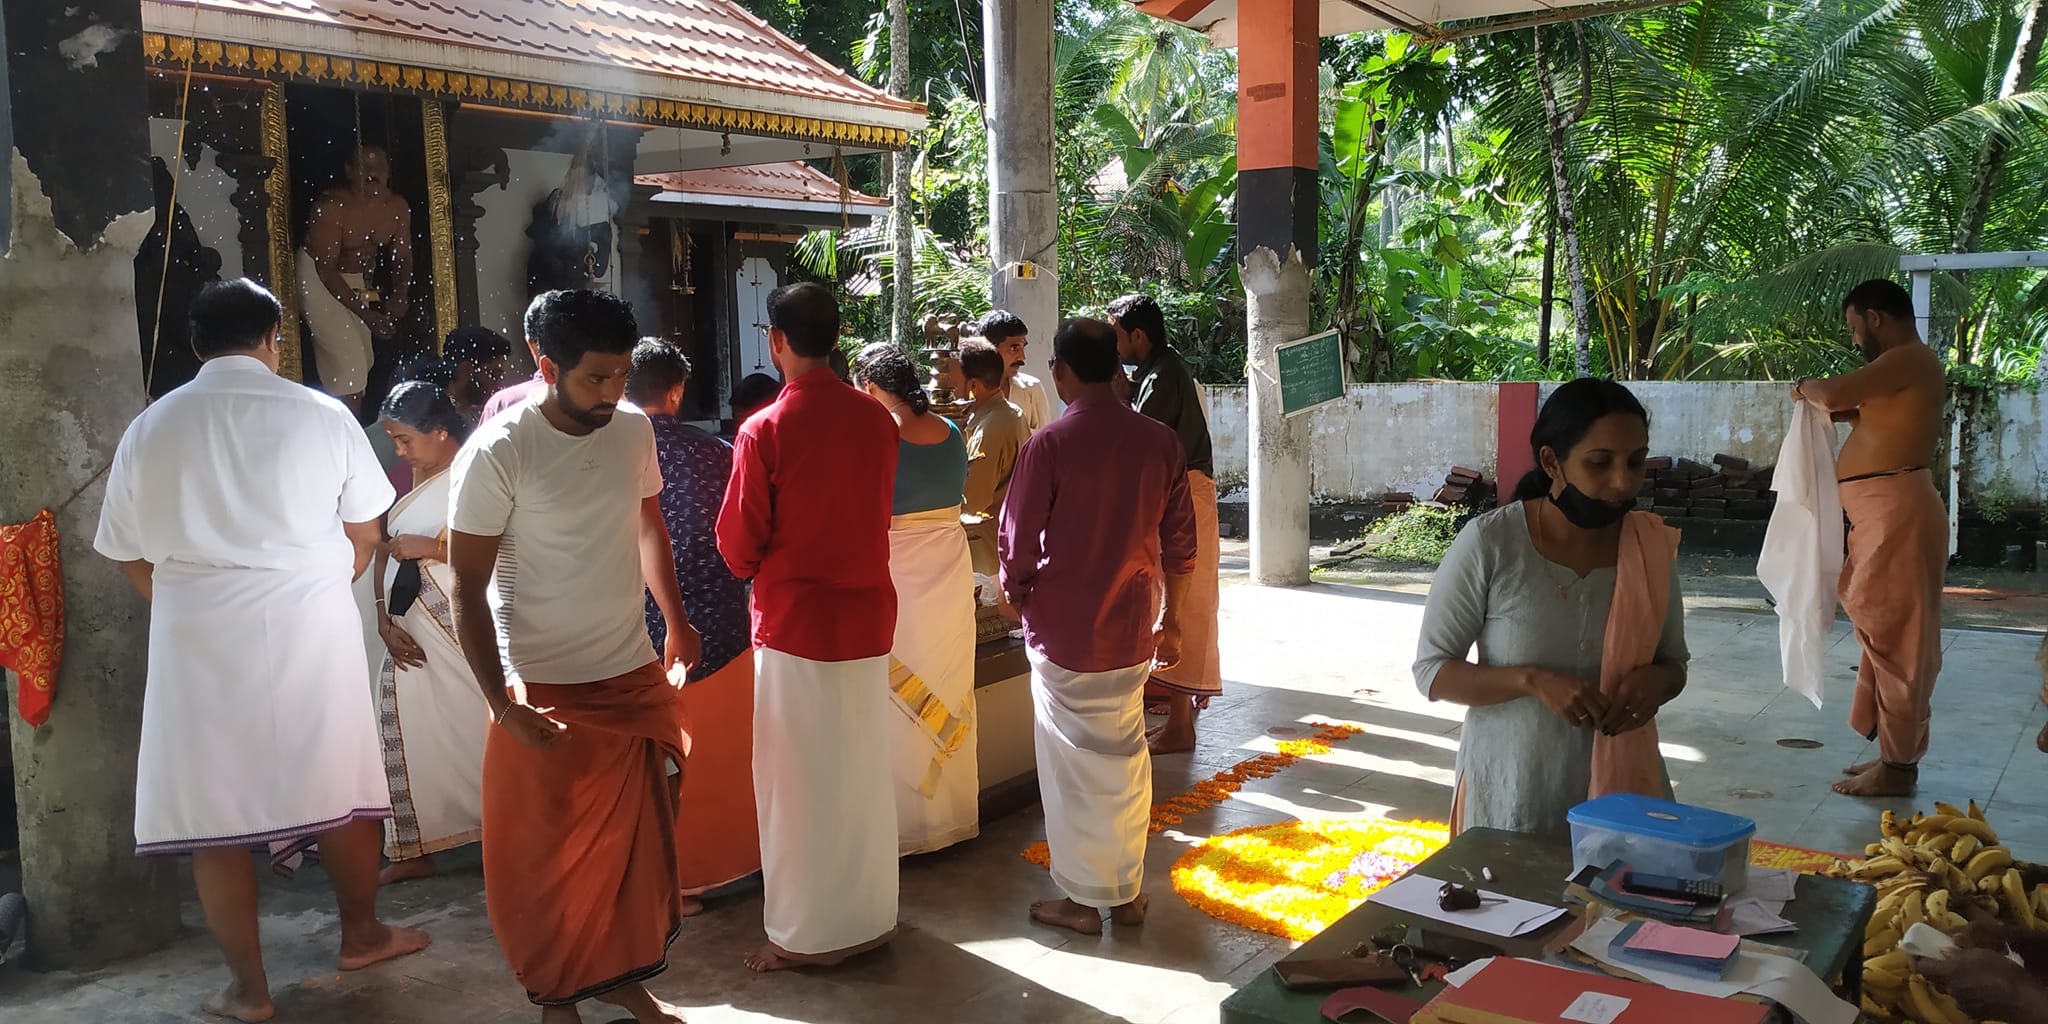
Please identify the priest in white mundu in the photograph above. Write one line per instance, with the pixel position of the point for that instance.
(241, 506)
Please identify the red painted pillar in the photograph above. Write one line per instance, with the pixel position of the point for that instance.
(1277, 61)
(1517, 418)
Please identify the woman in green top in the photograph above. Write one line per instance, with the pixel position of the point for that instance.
(931, 664)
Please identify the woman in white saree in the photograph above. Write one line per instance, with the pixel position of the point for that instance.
(432, 716)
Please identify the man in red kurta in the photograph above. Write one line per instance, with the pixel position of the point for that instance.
(806, 517)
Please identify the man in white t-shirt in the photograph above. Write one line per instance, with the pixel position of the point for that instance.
(1006, 331)
(554, 524)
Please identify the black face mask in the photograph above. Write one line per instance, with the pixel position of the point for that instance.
(1587, 512)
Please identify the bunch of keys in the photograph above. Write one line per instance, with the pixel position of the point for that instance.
(1455, 897)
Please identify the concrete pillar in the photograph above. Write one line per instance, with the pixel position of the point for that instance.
(1017, 38)
(1276, 206)
(79, 208)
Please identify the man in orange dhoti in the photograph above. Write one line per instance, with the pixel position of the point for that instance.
(554, 524)
(1898, 530)
(1164, 389)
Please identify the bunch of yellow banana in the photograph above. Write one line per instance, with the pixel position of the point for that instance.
(1947, 870)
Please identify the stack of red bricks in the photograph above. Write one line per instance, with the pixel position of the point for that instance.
(1461, 487)
(1728, 489)
(1466, 488)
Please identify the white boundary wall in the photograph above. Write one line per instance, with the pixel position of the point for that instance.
(1404, 437)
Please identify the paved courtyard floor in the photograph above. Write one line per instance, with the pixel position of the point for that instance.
(1328, 652)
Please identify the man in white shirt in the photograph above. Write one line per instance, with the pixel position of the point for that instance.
(1006, 331)
(249, 503)
(554, 524)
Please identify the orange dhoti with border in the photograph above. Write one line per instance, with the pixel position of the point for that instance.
(718, 832)
(580, 838)
(1891, 588)
(1200, 671)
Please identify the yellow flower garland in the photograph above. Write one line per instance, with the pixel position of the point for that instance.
(1218, 787)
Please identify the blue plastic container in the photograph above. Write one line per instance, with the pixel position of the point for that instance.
(1662, 838)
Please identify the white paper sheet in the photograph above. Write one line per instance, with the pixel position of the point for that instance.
(1771, 884)
(1784, 981)
(1758, 917)
(1595, 1008)
(1508, 918)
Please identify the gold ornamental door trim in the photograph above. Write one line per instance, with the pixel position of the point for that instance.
(277, 222)
(440, 220)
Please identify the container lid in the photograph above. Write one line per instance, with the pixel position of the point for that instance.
(1686, 825)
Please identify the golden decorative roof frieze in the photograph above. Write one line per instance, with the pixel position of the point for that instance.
(173, 53)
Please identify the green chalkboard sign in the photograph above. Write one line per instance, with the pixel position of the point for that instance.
(1311, 372)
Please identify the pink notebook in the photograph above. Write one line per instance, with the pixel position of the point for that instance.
(1658, 937)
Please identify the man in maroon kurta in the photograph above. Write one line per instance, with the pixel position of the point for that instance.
(806, 517)
(1098, 505)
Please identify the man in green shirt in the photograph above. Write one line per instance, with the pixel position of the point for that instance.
(1164, 389)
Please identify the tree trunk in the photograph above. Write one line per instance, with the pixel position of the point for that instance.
(903, 244)
(1567, 222)
(1549, 290)
(1991, 158)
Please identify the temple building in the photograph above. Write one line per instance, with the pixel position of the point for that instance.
(668, 150)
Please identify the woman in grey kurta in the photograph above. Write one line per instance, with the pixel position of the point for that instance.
(1531, 584)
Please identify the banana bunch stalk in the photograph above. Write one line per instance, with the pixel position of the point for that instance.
(1945, 869)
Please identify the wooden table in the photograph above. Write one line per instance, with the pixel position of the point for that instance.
(1831, 915)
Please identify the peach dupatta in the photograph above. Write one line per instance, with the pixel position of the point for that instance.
(1630, 762)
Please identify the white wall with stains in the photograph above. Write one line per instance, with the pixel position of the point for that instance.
(1404, 437)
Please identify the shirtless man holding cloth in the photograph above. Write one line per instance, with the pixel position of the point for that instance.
(1898, 529)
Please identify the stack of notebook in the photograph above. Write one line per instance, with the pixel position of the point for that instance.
(1509, 991)
(1687, 951)
(1604, 885)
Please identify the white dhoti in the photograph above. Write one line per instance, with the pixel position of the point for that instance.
(931, 683)
(257, 723)
(341, 340)
(827, 801)
(1094, 777)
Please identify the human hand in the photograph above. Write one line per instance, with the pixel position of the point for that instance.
(1986, 984)
(531, 726)
(684, 646)
(1799, 389)
(412, 546)
(1166, 645)
(406, 652)
(1010, 611)
(1572, 699)
(1634, 703)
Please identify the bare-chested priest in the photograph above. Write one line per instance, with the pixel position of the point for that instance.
(1898, 530)
(359, 227)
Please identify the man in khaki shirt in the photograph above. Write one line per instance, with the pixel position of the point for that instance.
(996, 432)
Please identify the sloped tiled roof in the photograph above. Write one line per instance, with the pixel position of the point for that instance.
(712, 41)
(793, 182)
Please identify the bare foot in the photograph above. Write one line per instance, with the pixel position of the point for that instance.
(770, 957)
(397, 942)
(1883, 780)
(1131, 914)
(1168, 740)
(560, 1015)
(1069, 915)
(234, 1005)
(1861, 767)
(692, 906)
(406, 870)
(645, 1008)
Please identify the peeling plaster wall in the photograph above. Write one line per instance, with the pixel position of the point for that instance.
(68, 340)
(205, 192)
(2011, 447)
(1403, 437)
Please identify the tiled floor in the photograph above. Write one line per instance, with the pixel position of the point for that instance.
(967, 952)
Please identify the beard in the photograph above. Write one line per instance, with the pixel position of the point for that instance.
(1870, 351)
(593, 416)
